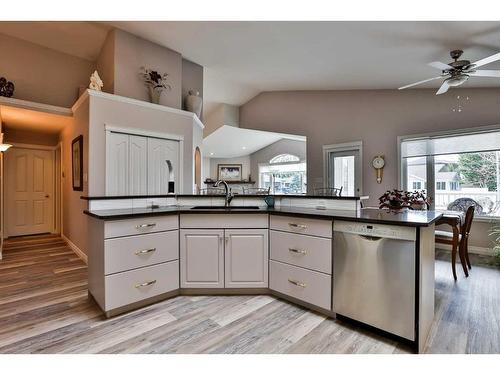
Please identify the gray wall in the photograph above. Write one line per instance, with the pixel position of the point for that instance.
(192, 79)
(375, 117)
(41, 74)
(283, 146)
(132, 52)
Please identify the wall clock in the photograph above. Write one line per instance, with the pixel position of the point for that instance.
(378, 163)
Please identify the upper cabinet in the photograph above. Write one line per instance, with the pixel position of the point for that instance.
(139, 165)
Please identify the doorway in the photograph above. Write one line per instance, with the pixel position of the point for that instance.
(30, 186)
(343, 167)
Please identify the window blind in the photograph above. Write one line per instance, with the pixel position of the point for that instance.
(451, 144)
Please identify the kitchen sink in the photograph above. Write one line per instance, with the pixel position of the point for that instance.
(225, 208)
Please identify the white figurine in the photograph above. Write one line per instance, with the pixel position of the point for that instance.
(95, 82)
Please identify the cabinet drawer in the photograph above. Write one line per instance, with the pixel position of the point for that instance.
(136, 285)
(120, 228)
(312, 227)
(310, 252)
(306, 285)
(126, 253)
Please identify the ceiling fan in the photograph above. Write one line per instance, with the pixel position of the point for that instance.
(458, 72)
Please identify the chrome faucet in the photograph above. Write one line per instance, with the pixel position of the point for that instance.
(229, 194)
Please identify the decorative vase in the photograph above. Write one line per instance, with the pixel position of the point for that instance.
(194, 102)
(155, 94)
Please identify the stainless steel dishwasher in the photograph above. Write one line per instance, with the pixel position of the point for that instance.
(374, 275)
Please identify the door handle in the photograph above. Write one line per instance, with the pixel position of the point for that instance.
(47, 196)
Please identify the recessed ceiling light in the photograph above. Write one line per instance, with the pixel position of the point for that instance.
(211, 153)
(244, 148)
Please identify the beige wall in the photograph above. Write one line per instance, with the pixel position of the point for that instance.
(375, 117)
(142, 117)
(105, 64)
(30, 137)
(131, 53)
(192, 79)
(41, 74)
(75, 222)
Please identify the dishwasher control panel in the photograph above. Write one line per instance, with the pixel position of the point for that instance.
(375, 230)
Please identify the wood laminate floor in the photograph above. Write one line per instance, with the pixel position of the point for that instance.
(44, 308)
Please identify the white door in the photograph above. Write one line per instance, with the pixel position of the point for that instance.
(163, 166)
(345, 172)
(138, 165)
(202, 258)
(246, 257)
(117, 168)
(29, 193)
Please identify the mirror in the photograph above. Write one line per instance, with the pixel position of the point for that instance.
(254, 161)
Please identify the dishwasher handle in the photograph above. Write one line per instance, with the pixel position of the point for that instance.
(370, 238)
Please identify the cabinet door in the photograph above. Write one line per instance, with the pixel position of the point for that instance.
(138, 165)
(163, 165)
(246, 257)
(202, 258)
(117, 160)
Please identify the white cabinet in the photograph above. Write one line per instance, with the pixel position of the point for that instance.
(117, 169)
(139, 165)
(163, 155)
(246, 258)
(202, 258)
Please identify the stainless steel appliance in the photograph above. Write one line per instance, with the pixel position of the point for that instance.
(374, 275)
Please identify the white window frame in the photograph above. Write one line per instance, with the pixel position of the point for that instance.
(339, 147)
(430, 171)
(269, 164)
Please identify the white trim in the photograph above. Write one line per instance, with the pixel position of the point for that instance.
(339, 147)
(472, 249)
(143, 132)
(75, 249)
(34, 106)
(34, 147)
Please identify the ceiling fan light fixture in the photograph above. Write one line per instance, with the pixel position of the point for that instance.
(457, 80)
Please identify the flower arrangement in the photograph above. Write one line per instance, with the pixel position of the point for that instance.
(398, 199)
(6, 87)
(155, 82)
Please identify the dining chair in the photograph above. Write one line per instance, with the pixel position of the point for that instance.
(458, 243)
(328, 192)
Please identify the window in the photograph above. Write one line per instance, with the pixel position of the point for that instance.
(454, 185)
(441, 185)
(417, 185)
(285, 174)
(456, 166)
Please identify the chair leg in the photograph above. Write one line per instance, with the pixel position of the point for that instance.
(454, 260)
(466, 251)
(461, 253)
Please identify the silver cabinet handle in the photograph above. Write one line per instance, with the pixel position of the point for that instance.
(298, 283)
(150, 225)
(145, 251)
(297, 251)
(147, 283)
(298, 226)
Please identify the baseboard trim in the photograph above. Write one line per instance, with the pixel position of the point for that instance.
(472, 249)
(75, 249)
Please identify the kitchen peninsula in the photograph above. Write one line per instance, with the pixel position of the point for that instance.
(371, 266)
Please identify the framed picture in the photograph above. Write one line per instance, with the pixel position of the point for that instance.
(77, 163)
(229, 172)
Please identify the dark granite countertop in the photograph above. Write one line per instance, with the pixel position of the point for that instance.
(368, 215)
(113, 197)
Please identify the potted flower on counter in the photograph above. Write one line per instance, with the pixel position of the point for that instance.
(400, 199)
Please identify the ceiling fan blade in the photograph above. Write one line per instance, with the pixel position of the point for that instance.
(487, 60)
(444, 87)
(485, 73)
(419, 82)
(441, 66)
